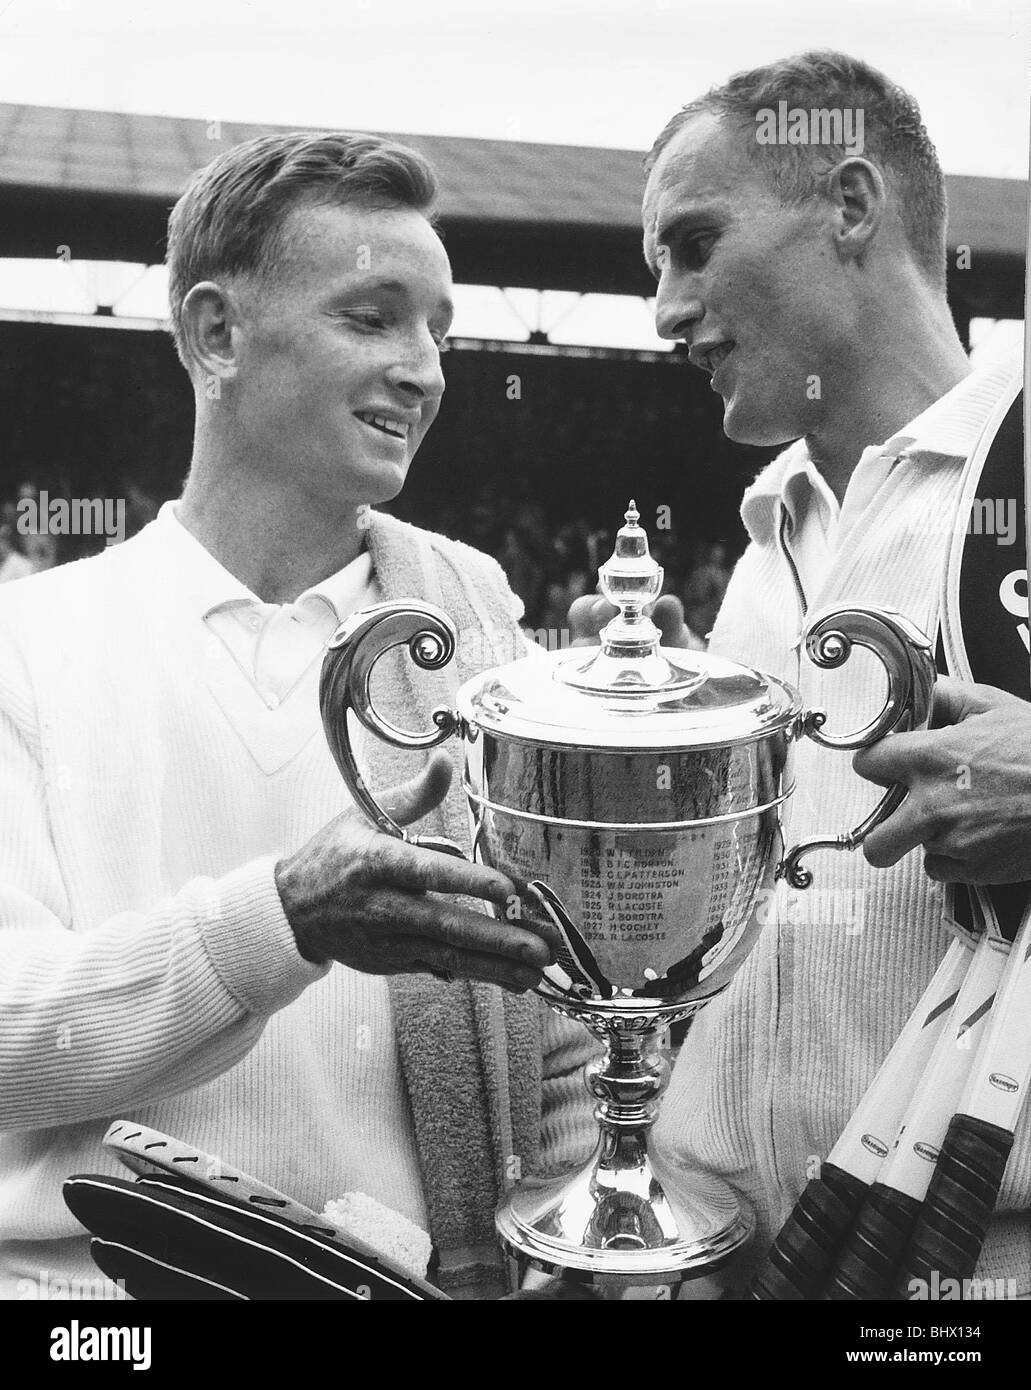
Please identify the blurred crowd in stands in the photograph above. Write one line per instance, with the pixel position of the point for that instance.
(29, 543)
(538, 476)
(548, 569)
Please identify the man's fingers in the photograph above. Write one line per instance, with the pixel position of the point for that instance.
(904, 757)
(414, 799)
(442, 927)
(668, 616)
(956, 700)
(397, 864)
(877, 764)
(579, 615)
(540, 924)
(588, 615)
(901, 832)
(945, 870)
(586, 618)
(470, 965)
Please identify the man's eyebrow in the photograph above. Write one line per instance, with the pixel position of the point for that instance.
(362, 284)
(373, 282)
(676, 223)
(683, 221)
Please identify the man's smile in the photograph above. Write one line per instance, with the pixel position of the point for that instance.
(709, 356)
(385, 424)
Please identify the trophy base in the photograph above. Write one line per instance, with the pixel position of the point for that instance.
(641, 1232)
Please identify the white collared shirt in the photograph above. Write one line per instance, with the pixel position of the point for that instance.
(818, 525)
(273, 644)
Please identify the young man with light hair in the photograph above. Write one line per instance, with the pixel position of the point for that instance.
(197, 932)
(809, 281)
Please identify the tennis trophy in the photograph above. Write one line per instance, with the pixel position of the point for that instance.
(636, 791)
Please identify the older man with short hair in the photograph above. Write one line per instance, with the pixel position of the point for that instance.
(809, 280)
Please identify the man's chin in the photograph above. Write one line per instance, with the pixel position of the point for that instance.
(743, 426)
(383, 483)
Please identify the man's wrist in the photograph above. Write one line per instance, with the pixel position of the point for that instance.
(288, 898)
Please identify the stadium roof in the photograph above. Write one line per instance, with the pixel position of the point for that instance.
(546, 216)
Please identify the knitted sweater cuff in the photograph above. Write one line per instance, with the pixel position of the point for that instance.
(250, 942)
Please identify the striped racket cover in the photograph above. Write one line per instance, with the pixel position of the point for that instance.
(868, 1262)
(964, 1188)
(983, 639)
(169, 1237)
(797, 1263)
(152, 1154)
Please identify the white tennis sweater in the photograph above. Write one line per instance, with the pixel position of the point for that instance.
(772, 1070)
(148, 785)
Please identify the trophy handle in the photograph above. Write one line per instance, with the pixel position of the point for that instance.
(909, 662)
(351, 654)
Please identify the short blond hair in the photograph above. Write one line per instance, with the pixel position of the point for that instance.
(229, 221)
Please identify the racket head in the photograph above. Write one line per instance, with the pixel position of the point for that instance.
(145, 1152)
(246, 1252)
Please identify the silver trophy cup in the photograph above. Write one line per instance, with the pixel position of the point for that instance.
(636, 791)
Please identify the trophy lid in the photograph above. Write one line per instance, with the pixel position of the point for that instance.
(631, 692)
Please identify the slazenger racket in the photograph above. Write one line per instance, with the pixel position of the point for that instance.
(169, 1237)
(866, 1266)
(797, 1262)
(965, 1185)
(145, 1151)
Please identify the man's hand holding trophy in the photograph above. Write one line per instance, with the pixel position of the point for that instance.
(633, 792)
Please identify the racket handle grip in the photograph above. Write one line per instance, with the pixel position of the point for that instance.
(808, 1241)
(865, 1269)
(954, 1218)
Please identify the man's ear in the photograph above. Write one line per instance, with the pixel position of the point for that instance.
(210, 316)
(857, 189)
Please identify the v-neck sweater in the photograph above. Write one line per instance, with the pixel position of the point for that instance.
(147, 970)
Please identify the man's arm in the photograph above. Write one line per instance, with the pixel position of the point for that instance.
(98, 1018)
(144, 1005)
(969, 802)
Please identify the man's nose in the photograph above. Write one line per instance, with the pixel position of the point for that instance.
(678, 306)
(417, 370)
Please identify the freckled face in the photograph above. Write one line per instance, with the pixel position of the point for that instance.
(751, 285)
(340, 373)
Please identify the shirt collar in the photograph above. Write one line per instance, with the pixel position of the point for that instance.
(203, 585)
(344, 590)
(803, 485)
(953, 423)
(950, 426)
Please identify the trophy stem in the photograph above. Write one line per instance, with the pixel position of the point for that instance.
(629, 1079)
(630, 1217)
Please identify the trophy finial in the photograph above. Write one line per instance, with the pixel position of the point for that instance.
(630, 578)
(629, 659)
